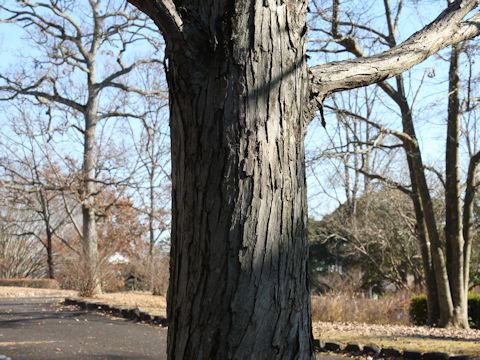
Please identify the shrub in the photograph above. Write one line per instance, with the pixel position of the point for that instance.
(31, 283)
(71, 274)
(143, 275)
(474, 310)
(418, 310)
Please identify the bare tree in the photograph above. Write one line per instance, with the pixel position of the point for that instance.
(21, 254)
(446, 267)
(33, 180)
(81, 73)
(152, 180)
(371, 228)
(376, 245)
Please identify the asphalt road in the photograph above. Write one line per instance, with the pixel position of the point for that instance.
(40, 329)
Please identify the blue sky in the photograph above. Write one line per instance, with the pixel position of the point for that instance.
(430, 106)
(430, 77)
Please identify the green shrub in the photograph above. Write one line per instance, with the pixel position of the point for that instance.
(474, 310)
(418, 311)
(31, 283)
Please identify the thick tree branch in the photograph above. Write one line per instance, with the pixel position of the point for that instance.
(447, 29)
(15, 89)
(165, 15)
(125, 70)
(133, 89)
(31, 187)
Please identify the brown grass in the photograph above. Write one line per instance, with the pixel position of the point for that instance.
(32, 283)
(155, 305)
(343, 307)
(18, 292)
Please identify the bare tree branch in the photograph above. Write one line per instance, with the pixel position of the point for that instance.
(387, 181)
(398, 134)
(108, 81)
(15, 89)
(437, 173)
(448, 28)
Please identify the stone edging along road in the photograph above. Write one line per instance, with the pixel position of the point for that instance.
(376, 352)
(354, 349)
(127, 313)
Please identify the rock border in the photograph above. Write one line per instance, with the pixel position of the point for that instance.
(376, 352)
(135, 314)
(354, 349)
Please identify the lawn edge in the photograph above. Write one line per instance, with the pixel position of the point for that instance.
(130, 313)
(377, 352)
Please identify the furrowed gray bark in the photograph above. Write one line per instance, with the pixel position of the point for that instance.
(239, 285)
(238, 104)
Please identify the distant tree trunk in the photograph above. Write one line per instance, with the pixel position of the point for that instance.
(440, 307)
(42, 197)
(51, 268)
(444, 300)
(151, 230)
(453, 219)
(72, 43)
(428, 268)
(472, 184)
(414, 161)
(90, 282)
(238, 287)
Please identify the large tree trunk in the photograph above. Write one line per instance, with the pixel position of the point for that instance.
(239, 287)
(238, 90)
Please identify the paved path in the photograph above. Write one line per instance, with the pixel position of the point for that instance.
(40, 329)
